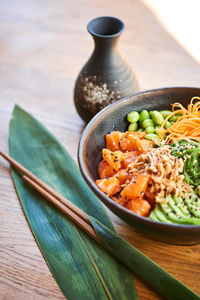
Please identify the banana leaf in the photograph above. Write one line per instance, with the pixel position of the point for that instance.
(81, 267)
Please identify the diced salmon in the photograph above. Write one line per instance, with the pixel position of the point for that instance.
(129, 143)
(144, 145)
(140, 207)
(112, 140)
(109, 186)
(130, 157)
(114, 159)
(150, 197)
(138, 134)
(136, 189)
(104, 170)
(122, 176)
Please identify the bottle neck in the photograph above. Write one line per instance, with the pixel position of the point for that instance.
(105, 43)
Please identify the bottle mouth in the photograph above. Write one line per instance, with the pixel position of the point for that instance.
(105, 27)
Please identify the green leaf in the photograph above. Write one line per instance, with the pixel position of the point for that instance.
(160, 280)
(82, 268)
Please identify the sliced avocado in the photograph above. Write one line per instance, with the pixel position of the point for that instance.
(193, 204)
(170, 213)
(179, 202)
(174, 207)
(153, 216)
(159, 214)
(178, 210)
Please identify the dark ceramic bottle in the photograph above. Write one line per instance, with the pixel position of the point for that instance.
(106, 77)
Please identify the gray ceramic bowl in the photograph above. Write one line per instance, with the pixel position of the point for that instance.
(113, 117)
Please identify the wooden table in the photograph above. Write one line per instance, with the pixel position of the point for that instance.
(43, 45)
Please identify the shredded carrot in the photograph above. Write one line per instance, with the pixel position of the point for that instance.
(188, 124)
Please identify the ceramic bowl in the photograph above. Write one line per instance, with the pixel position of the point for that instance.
(113, 117)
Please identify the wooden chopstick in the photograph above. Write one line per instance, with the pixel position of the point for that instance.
(75, 214)
(76, 219)
(46, 187)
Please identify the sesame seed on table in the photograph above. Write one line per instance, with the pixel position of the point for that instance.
(43, 46)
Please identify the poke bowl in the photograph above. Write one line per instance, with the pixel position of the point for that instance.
(113, 118)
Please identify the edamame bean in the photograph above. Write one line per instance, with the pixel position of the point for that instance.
(167, 125)
(175, 118)
(165, 113)
(157, 117)
(150, 113)
(144, 115)
(133, 127)
(147, 122)
(151, 136)
(149, 129)
(133, 117)
(140, 129)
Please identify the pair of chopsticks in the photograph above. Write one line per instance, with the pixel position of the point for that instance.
(75, 214)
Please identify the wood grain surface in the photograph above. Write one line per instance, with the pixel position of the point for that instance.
(43, 45)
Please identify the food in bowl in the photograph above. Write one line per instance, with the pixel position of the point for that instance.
(153, 168)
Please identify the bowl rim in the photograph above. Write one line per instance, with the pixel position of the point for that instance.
(85, 172)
